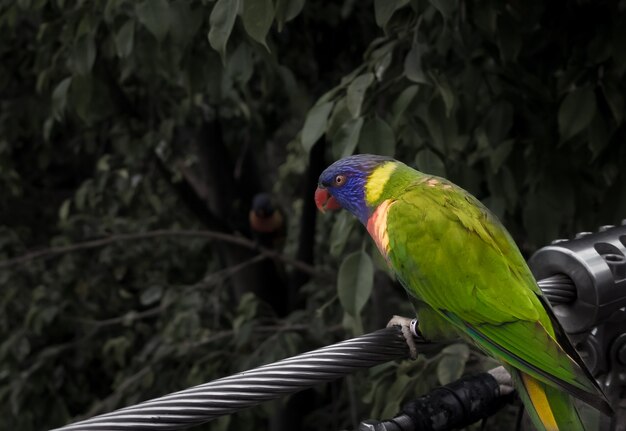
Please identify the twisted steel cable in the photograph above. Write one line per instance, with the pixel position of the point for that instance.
(224, 396)
(205, 402)
(558, 288)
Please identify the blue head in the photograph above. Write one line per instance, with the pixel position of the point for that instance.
(262, 205)
(342, 184)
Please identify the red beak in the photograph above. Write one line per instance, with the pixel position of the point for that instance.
(325, 201)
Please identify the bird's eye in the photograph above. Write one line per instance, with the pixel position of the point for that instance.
(340, 180)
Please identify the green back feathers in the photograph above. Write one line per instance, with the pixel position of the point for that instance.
(451, 253)
(446, 234)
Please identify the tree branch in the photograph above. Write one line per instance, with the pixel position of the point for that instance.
(196, 234)
(130, 316)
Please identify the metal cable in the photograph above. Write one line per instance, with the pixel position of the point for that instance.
(224, 396)
(559, 289)
(205, 402)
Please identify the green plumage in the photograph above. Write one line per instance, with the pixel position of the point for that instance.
(467, 275)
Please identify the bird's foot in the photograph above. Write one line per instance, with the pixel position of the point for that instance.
(409, 331)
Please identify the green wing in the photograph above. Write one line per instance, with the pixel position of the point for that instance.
(452, 254)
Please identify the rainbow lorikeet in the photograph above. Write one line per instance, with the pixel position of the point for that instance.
(467, 277)
(267, 221)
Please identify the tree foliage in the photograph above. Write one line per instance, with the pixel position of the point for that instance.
(141, 126)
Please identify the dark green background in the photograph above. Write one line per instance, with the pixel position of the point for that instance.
(155, 117)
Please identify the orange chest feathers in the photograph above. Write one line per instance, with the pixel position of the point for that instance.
(269, 224)
(377, 227)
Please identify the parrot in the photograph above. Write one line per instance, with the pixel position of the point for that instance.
(466, 278)
(267, 221)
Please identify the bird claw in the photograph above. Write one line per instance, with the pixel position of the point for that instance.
(409, 328)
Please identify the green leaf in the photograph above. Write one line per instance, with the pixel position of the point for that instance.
(155, 16)
(110, 9)
(498, 121)
(401, 104)
(151, 295)
(340, 232)
(315, 124)
(59, 98)
(395, 394)
(239, 66)
(382, 62)
(221, 24)
(222, 423)
(85, 26)
(184, 22)
(430, 163)
(84, 54)
(509, 37)
(347, 138)
(286, 10)
(116, 348)
(384, 9)
(80, 95)
(377, 138)
(598, 136)
(103, 164)
(509, 188)
(452, 364)
(124, 39)
(485, 18)
(340, 115)
(500, 154)
(47, 128)
(247, 308)
(446, 92)
(257, 19)
(355, 282)
(576, 111)
(356, 93)
(446, 7)
(442, 127)
(615, 100)
(42, 81)
(64, 210)
(413, 65)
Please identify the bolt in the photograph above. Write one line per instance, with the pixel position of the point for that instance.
(617, 264)
(580, 235)
(605, 227)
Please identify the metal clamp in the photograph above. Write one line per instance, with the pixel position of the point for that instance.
(597, 265)
(595, 319)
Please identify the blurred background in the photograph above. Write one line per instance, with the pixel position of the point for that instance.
(158, 161)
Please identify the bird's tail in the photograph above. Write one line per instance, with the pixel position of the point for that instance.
(550, 408)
